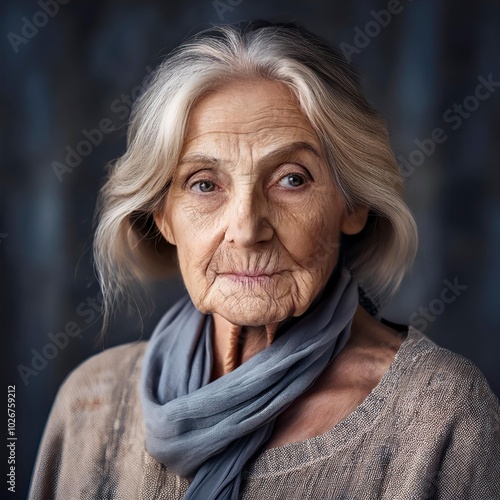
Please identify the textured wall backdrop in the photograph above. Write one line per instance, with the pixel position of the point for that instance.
(72, 68)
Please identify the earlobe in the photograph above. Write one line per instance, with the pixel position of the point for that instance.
(164, 227)
(355, 221)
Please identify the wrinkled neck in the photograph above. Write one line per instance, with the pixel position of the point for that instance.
(235, 344)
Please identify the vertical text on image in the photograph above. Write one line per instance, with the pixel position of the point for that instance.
(11, 438)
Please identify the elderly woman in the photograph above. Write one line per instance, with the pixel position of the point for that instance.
(257, 167)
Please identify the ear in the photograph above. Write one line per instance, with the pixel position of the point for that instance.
(161, 221)
(353, 222)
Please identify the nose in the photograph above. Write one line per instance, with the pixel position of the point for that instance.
(247, 222)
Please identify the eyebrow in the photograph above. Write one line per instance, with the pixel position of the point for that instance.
(278, 154)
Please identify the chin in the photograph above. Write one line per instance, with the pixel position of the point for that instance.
(250, 312)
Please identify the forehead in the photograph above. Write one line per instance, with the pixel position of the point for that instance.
(248, 111)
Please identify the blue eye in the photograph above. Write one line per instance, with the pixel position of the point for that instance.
(292, 180)
(204, 186)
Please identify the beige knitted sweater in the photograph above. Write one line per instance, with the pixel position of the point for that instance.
(429, 429)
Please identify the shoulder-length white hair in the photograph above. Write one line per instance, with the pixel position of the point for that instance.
(128, 246)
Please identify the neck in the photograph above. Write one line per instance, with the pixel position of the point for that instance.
(235, 344)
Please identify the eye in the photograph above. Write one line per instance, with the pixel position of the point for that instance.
(203, 186)
(292, 180)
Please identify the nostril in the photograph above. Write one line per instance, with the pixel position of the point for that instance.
(247, 231)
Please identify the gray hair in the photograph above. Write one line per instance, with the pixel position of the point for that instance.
(128, 246)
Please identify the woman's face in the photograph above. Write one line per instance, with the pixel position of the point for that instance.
(252, 208)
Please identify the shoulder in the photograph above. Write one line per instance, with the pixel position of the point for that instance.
(113, 362)
(438, 365)
(444, 403)
(441, 380)
(98, 379)
(94, 425)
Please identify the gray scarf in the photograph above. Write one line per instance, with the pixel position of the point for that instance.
(209, 430)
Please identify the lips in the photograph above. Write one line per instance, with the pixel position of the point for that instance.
(249, 274)
(249, 278)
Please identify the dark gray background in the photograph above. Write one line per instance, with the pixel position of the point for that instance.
(81, 67)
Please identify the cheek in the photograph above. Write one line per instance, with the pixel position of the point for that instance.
(197, 237)
(313, 240)
(318, 251)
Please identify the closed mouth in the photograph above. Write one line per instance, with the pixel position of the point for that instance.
(248, 278)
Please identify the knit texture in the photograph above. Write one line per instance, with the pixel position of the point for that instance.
(429, 429)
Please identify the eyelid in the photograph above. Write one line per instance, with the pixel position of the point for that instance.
(303, 169)
(188, 176)
(291, 162)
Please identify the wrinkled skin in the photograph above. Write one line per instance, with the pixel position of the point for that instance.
(252, 194)
(240, 203)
